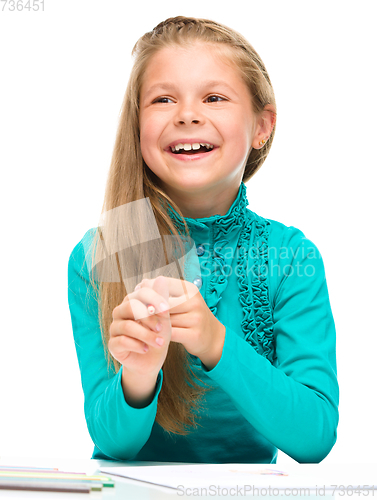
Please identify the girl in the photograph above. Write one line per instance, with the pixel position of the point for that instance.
(236, 360)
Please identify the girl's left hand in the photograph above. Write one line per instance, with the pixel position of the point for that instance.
(193, 324)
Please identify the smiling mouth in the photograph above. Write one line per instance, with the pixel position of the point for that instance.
(191, 149)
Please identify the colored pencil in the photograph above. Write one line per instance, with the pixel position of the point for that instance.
(44, 486)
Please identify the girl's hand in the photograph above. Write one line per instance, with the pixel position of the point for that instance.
(141, 345)
(192, 322)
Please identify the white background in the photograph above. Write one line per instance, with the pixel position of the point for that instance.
(64, 72)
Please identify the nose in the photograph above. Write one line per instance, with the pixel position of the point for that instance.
(189, 113)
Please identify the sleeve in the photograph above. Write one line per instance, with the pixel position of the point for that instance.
(293, 403)
(118, 430)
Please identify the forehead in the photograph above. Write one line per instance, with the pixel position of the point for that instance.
(198, 60)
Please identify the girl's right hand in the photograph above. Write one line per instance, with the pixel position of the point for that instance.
(139, 345)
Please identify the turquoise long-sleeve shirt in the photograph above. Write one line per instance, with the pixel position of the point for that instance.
(275, 386)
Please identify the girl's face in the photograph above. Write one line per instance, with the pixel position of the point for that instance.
(197, 126)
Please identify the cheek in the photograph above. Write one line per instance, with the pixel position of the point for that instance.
(146, 140)
(151, 128)
(240, 133)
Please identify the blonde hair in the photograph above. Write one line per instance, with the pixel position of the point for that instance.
(130, 179)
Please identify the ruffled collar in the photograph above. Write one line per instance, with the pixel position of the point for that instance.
(235, 215)
(252, 233)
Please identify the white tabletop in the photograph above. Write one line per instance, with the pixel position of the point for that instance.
(344, 475)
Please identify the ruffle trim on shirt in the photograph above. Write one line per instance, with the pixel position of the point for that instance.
(219, 279)
(223, 223)
(220, 225)
(233, 221)
(257, 324)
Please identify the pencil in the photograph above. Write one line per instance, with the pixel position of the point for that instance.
(43, 486)
(55, 475)
(11, 468)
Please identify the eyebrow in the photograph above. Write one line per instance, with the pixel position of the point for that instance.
(171, 87)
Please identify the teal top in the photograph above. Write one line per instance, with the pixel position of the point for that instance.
(275, 386)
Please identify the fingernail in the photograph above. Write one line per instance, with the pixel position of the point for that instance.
(145, 348)
(164, 307)
(137, 287)
(159, 341)
(158, 327)
(151, 310)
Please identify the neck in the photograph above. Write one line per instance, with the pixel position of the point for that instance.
(198, 205)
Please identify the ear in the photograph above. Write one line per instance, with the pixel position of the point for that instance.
(264, 126)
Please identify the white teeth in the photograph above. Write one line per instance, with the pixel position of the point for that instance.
(188, 147)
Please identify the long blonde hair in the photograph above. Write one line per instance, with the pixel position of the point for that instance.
(130, 179)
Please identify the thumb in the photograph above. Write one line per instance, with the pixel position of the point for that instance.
(161, 286)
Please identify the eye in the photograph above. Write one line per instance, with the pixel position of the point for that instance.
(214, 98)
(163, 100)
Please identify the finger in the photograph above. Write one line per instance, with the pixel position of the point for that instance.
(179, 335)
(121, 346)
(135, 305)
(161, 286)
(177, 287)
(154, 302)
(150, 307)
(153, 323)
(146, 283)
(132, 329)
